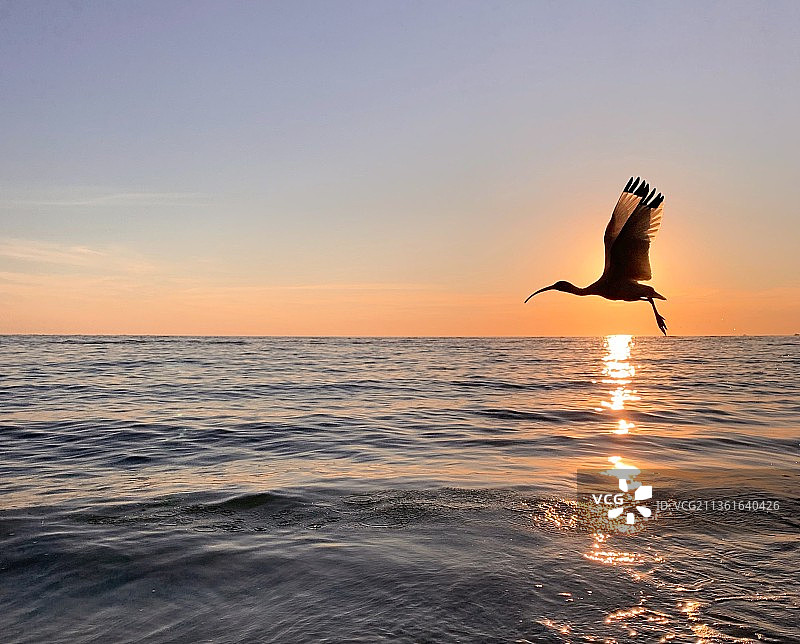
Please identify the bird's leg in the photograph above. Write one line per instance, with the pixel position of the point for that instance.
(662, 323)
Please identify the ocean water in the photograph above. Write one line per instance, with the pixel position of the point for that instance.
(400, 490)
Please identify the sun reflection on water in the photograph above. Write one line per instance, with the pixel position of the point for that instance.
(618, 371)
(602, 553)
(619, 543)
(623, 426)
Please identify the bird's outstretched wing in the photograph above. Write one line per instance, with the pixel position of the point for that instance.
(628, 257)
(630, 198)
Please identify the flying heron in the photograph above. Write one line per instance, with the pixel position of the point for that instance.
(634, 223)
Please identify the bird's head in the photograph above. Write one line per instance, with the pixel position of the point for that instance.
(560, 285)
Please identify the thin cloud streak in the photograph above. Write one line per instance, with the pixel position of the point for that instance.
(37, 251)
(106, 259)
(366, 286)
(117, 199)
(110, 262)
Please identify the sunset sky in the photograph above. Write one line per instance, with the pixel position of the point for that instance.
(393, 168)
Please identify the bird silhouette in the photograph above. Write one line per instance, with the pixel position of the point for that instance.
(634, 223)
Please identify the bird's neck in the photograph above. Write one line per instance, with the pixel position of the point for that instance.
(568, 287)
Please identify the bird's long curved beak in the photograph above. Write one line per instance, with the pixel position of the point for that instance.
(546, 288)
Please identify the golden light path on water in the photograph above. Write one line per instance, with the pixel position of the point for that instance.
(618, 371)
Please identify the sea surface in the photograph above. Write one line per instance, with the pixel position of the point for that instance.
(177, 489)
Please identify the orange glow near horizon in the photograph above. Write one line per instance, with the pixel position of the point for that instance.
(420, 288)
(73, 305)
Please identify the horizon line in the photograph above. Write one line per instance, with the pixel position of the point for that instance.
(345, 336)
